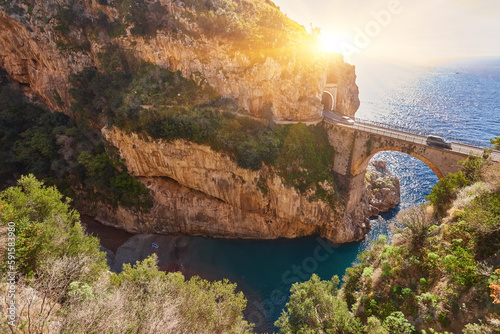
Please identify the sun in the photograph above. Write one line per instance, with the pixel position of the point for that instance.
(331, 42)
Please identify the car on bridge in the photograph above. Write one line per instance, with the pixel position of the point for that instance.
(346, 120)
(438, 142)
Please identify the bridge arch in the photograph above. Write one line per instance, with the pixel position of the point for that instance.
(328, 101)
(359, 166)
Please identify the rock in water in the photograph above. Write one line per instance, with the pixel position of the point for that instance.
(382, 188)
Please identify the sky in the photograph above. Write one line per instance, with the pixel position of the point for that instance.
(402, 31)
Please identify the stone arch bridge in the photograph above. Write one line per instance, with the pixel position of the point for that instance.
(357, 143)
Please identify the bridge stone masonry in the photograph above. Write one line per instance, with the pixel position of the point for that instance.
(357, 143)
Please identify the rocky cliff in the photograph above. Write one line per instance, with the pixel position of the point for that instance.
(201, 192)
(277, 72)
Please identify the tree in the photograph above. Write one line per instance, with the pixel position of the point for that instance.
(50, 248)
(496, 143)
(314, 307)
(445, 191)
(396, 323)
(46, 228)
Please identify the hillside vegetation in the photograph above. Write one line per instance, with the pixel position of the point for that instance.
(439, 273)
(63, 151)
(62, 282)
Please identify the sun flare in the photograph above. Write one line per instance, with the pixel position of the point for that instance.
(332, 42)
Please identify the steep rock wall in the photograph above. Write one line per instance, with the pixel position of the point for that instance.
(288, 88)
(31, 57)
(344, 75)
(202, 192)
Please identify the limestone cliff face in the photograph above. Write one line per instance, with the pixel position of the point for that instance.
(288, 87)
(344, 75)
(31, 57)
(257, 87)
(202, 192)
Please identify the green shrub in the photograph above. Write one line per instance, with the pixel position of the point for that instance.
(445, 191)
(397, 323)
(406, 292)
(46, 228)
(472, 167)
(461, 265)
(352, 283)
(315, 306)
(374, 326)
(306, 158)
(482, 221)
(113, 182)
(496, 143)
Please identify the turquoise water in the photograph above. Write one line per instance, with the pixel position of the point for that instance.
(460, 100)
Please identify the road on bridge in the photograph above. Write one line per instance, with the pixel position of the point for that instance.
(336, 119)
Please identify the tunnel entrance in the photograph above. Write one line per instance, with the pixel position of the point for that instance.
(327, 101)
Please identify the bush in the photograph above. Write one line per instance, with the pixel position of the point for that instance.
(374, 326)
(445, 191)
(352, 283)
(482, 218)
(396, 323)
(417, 224)
(115, 185)
(47, 229)
(496, 143)
(143, 299)
(315, 306)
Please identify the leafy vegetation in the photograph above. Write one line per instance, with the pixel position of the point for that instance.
(496, 143)
(446, 189)
(315, 307)
(439, 269)
(73, 28)
(103, 172)
(46, 228)
(305, 160)
(63, 152)
(145, 18)
(256, 28)
(64, 286)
